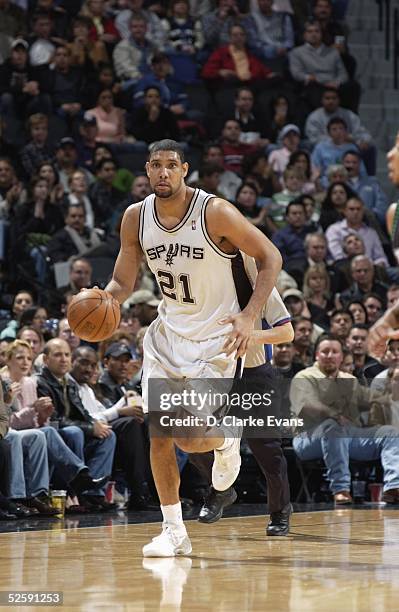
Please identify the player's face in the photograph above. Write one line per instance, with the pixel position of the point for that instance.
(166, 173)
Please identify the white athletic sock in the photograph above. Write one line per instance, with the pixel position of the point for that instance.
(172, 514)
(226, 444)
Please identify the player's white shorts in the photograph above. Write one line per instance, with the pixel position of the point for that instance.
(168, 355)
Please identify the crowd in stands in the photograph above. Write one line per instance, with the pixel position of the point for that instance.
(263, 97)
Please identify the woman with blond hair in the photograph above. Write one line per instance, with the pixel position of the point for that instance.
(316, 291)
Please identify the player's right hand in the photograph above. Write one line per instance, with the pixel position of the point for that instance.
(379, 335)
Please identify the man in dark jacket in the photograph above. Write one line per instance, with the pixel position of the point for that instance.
(90, 440)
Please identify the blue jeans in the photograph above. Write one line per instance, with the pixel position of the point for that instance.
(29, 465)
(98, 454)
(60, 456)
(327, 442)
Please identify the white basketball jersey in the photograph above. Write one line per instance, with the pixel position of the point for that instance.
(193, 274)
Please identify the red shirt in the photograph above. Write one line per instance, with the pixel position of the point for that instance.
(222, 59)
(234, 155)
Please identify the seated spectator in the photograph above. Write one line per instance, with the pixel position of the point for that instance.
(316, 291)
(252, 126)
(41, 42)
(85, 52)
(46, 170)
(184, 39)
(274, 34)
(123, 178)
(358, 311)
(66, 84)
(392, 295)
(86, 143)
(67, 162)
(363, 281)
(357, 344)
(85, 436)
(152, 122)
(336, 173)
(289, 138)
(257, 170)
(37, 150)
(74, 238)
(294, 179)
(22, 300)
(32, 226)
(301, 160)
(290, 239)
(322, 12)
(103, 195)
(65, 333)
(233, 64)
(318, 120)
(246, 202)
(35, 317)
(283, 360)
(21, 85)
(348, 364)
(132, 55)
(102, 27)
(391, 360)
(333, 205)
(229, 181)
(234, 150)
(332, 150)
(316, 66)
(366, 187)
(114, 381)
(341, 322)
(303, 345)
(217, 24)
(33, 337)
(209, 178)
(279, 114)
(126, 420)
(328, 435)
(155, 32)
(110, 119)
(353, 223)
(375, 306)
(78, 194)
(12, 19)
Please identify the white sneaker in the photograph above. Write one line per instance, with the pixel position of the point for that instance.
(226, 465)
(171, 542)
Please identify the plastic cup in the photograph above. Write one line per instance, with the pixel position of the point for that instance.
(375, 489)
(109, 491)
(58, 499)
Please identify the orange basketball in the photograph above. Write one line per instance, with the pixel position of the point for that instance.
(94, 314)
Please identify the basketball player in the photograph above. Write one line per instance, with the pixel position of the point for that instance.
(189, 239)
(258, 377)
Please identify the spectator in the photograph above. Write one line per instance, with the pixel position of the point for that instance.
(47, 171)
(233, 63)
(155, 32)
(332, 150)
(294, 180)
(86, 143)
(144, 306)
(322, 12)
(85, 436)
(139, 190)
(33, 337)
(183, 34)
(290, 239)
(110, 119)
(132, 55)
(78, 194)
(42, 47)
(316, 291)
(102, 27)
(303, 347)
(234, 150)
(357, 344)
(280, 114)
(392, 295)
(217, 24)
(37, 150)
(22, 300)
(341, 323)
(275, 34)
(36, 317)
(74, 238)
(21, 85)
(301, 160)
(358, 311)
(246, 202)
(283, 360)
(333, 205)
(229, 181)
(209, 178)
(363, 277)
(366, 187)
(67, 162)
(391, 360)
(332, 423)
(114, 381)
(252, 126)
(12, 19)
(65, 333)
(289, 137)
(353, 223)
(103, 196)
(66, 84)
(316, 66)
(152, 122)
(85, 52)
(375, 306)
(258, 171)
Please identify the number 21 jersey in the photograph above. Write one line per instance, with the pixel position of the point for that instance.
(193, 274)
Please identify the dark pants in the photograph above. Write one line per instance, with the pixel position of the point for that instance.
(5, 464)
(132, 451)
(268, 452)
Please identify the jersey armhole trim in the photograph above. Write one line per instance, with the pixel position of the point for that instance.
(282, 322)
(141, 224)
(206, 235)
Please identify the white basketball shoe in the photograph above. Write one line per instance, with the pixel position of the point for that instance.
(226, 465)
(172, 542)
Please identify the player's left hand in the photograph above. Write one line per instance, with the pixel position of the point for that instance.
(237, 340)
(378, 337)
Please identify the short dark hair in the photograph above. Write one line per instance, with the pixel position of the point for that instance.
(102, 162)
(296, 320)
(71, 206)
(296, 202)
(359, 326)
(372, 294)
(336, 121)
(208, 169)
(330, 90)
(77, 352)
(340, 311)
(355, 153)
(167, 145)
(329, 338)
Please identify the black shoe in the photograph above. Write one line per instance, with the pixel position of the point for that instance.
(214, 504)
(140, 503)
(279, 523)
(6, 516)
(42, 505)
(96, 503)
(84, 482)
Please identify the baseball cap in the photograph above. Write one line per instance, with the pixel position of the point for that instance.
(144, 296)
(290, 127)
(292, 293)
(67, 140)
(118, 349)
(19, 42)
(89, 119)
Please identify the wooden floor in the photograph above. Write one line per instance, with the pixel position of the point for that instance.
(342, 561)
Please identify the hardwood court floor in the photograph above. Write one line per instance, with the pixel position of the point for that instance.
(334, 561)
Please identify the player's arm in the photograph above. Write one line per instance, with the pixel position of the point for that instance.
(386, 328)
(276, 335)
(226, 225)
(128, 261)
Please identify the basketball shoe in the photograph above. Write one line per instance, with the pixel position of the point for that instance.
(227, 463)
(172, 541)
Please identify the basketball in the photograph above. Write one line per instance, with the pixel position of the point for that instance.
(93, 315)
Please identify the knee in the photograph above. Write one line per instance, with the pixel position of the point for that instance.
(188, 445)
(73, 432)
(110, 440)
